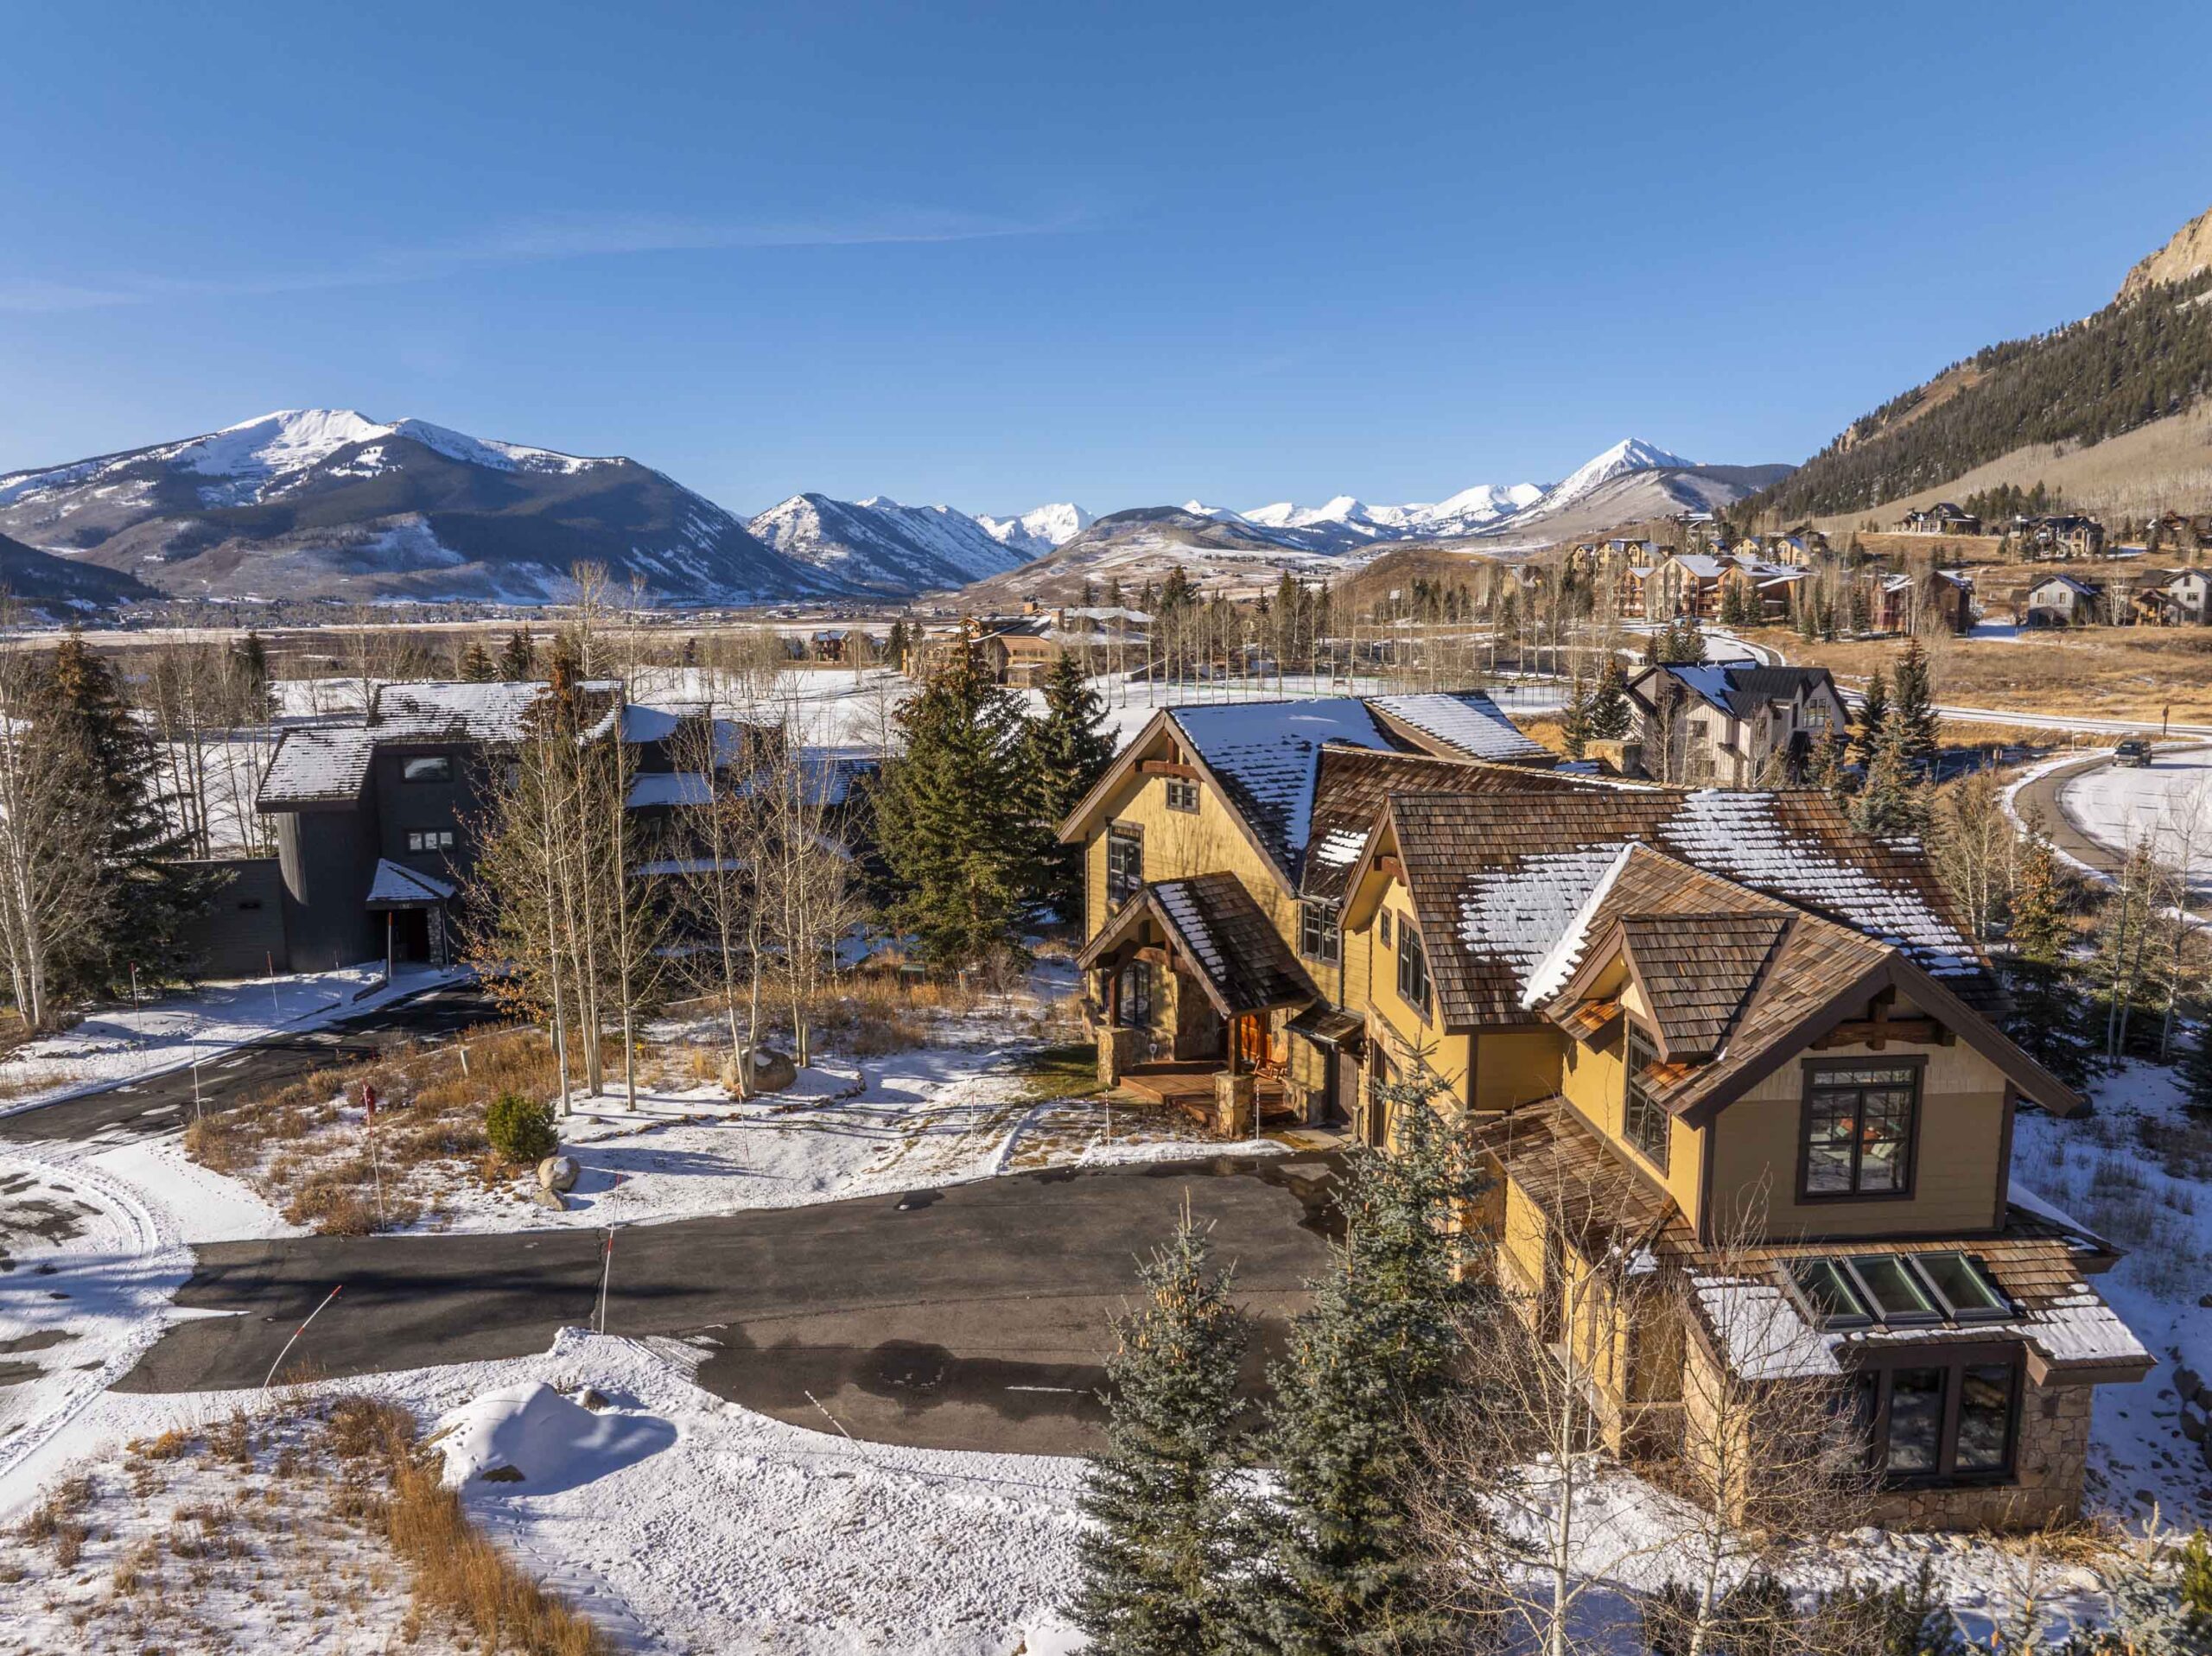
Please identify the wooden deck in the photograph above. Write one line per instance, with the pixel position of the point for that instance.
(1188, 1087)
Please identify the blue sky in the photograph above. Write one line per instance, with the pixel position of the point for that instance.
(997, 255)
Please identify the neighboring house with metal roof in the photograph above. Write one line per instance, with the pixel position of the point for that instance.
(2060, 601)
(1733, 724)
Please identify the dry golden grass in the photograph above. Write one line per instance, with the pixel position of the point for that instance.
(316, 1525)
(2085, 672)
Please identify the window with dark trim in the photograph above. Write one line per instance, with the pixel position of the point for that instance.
(427, 767)
(1124, 864)
(1182, 794)
(1859, 1290)
(1645, 1121)
(1136, 995)
(1382, 926)
(1412, 970)
(1860, 1123)
(429, 839)
(1317, 935)
(1940, 1417)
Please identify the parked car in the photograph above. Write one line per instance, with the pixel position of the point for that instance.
(2135, 750)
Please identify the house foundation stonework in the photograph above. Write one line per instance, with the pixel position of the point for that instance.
(2051, 1465)
(1734, 1067)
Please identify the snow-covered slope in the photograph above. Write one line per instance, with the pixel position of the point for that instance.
(1039, 532)
(880, 546)
(1483, 509)
(309, 503)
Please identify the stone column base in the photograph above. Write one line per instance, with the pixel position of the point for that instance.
(1119, 1050)
(1232, 1106)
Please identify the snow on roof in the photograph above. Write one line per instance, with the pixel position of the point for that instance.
(1468, 720)
(1767, 1337)
(463, 710)
(1763, 1335)
(1339, 848)
(1265, 753)
(1189, 921)
(1521, 913)
(316, 766)
(396, 882)
(1710, 681)
(1558, 965)
(1739, 836)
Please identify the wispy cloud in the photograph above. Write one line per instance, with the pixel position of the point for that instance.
(527, 241)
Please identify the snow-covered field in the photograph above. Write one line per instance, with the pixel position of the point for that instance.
(2137, 1171)
(2168, 801)
(126, 1043)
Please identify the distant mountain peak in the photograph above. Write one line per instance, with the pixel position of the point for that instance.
(1629, 454)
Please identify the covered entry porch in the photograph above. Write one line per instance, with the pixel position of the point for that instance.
(1189, 983)
(413, 906)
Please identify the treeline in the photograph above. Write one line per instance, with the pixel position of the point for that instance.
(2128, 365)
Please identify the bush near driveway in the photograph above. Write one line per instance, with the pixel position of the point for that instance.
(521, 1129)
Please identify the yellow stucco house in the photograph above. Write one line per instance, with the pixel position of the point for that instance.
(1719, 1035)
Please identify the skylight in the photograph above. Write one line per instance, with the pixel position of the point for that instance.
(1897, 1290)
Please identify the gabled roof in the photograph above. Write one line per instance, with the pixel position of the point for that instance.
(1741, 689)
(1697, 971)
(1352, 784)
(2086, 589)
(1497, 879)
(1465, 722)
(1264, 755)
(1235, 953)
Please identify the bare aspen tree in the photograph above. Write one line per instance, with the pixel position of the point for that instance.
(1507, 1510)
(714, 886)
(804, 875)
(51, 897)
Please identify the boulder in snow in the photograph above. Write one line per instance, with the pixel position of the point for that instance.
(530, 1434)
(558, 1173)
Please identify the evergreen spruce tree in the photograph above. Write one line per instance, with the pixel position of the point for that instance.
(1337, 1569)
(956, 844)
(1890, 805)
(477, 666)
(1067, 750)
(2049, 1013)
(1874, 715)
(250, 661)
(895, 645)
(152, 900)
(1157, 1571)
(519, 657)
(1575, 718)
(1912, 708)
(1609, 708)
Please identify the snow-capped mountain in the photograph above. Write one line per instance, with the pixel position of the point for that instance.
(1038, 531)
(1487, 508)
(881, 547)
(309, 503)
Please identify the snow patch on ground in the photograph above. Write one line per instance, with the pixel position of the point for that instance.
(124, 1042)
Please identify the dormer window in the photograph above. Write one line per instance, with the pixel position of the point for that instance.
(1860, 1122)
(1645, 1121)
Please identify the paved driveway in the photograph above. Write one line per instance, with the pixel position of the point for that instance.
(972, 1317)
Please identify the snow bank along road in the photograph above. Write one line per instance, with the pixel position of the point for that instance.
(971, 1318)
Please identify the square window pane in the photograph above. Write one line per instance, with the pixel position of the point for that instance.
(1828, 1169)
(1897, 1297)
(1969, 1293)
(1985, 1417)
(1828, 1291)
(1915, 1419)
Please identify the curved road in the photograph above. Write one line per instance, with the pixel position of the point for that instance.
(2046, 794)
(974, 1317)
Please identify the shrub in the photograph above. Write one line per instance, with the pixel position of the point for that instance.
(520, 1129)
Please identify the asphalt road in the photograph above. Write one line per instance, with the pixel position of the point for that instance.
(164, 1103)
(2043, 795)
(972, 1317)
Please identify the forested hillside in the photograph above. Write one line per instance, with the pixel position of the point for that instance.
(2130, 363)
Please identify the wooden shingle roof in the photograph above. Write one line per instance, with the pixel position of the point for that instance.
(1353, 785)
(1232, 949)
(1698, 970)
